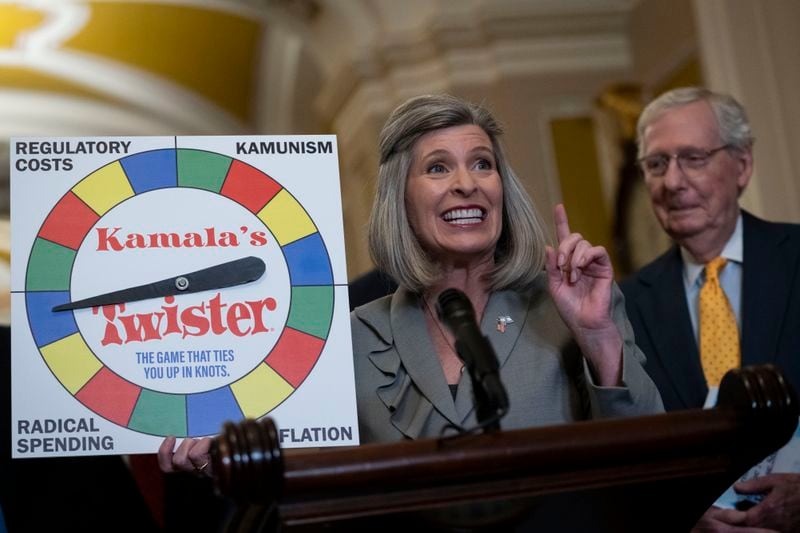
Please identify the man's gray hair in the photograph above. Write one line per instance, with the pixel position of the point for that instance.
(396, 250)
(733, 126)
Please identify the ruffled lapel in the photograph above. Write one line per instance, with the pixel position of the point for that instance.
(418, 355)
(415, 386)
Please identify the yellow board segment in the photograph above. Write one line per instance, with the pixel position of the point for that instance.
(104, 188)
(286, 218)
(71, 361)
(260, 391)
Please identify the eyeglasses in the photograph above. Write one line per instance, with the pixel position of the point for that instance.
(691, 159)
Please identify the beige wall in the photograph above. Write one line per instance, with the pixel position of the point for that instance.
(663, 39)
(532, 63)
(330, 66)
(750, 50)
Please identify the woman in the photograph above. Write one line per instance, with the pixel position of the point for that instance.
(450, 213)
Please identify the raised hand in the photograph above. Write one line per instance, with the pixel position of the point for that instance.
(580, 277)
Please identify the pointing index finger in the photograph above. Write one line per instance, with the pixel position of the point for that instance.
(561, 221)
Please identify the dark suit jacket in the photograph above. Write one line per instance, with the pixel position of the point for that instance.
(770, 313)
(369, 286)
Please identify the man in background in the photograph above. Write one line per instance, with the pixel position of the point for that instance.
(728, 293)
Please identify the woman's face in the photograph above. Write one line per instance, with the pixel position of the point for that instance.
(454, 194)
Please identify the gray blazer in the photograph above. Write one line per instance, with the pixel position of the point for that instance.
(402, 392)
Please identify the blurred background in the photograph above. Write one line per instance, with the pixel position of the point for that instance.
(566, 77)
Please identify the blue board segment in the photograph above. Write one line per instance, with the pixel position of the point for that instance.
(48, 326)
(308, 261)
(156, 169)
(207, 411)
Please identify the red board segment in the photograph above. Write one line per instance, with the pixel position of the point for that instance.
(295, 355)
(249, 186)
(68, 222)
(110, 396)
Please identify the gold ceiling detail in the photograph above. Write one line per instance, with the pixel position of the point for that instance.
(16, 19)
(211, 52)
(23, 78)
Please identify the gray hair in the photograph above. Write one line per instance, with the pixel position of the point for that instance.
(395, 249)
(732, 123)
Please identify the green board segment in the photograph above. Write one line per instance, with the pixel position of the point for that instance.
(312, 310)
(202, 170)
(158, 413)
(49, 267)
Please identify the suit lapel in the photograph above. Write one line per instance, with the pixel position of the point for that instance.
(765, 278)
(665, 315)
(418, 355)
(501, 304)
(504, 304)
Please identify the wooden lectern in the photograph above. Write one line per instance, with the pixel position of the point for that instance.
(652, 473)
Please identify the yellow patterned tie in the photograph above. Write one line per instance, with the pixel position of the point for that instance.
(719, 335)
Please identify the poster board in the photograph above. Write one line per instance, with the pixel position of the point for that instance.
(92, 216)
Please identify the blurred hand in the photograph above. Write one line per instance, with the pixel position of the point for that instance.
(191, 456)
(780, 508)
(580, 277)
(717, 520)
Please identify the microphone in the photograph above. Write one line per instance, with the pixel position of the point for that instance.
(491, 400)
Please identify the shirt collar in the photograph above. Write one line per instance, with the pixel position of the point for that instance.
(732, 251)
